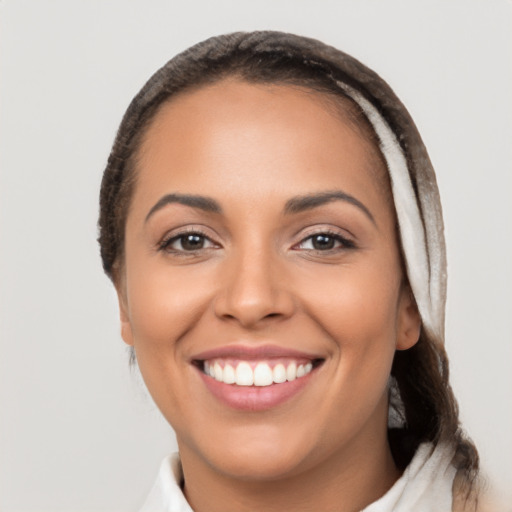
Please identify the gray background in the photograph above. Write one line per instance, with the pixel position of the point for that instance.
(77, 430)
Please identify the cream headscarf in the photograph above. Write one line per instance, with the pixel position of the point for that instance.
(420, 224)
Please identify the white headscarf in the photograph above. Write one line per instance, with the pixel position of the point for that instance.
(421, 232)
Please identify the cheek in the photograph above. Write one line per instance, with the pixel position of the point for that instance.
(164, 302)
(164, 305)
(356, 307)
(354, 302)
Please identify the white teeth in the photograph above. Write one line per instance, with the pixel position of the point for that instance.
(229, 374)
(244, 374)
(279, 373)
(208, 369)
(291, 372)
(262, 375)
(217, 371)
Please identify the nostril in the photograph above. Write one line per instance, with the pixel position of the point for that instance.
(250, 300)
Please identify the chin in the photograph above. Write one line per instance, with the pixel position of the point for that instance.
(255, 454)
(259, 466)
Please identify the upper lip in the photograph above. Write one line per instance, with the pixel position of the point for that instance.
(253, 353)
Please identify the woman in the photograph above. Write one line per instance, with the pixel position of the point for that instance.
(271, 222)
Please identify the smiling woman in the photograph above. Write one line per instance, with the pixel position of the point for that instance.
(270, 220)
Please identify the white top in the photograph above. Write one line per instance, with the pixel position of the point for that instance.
(425, 486)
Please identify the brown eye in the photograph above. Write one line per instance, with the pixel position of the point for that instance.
(325, 242)
(192, 242)
(187, 242)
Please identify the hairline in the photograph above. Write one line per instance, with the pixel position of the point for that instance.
(333, 99)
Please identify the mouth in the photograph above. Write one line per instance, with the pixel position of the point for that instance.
(258, 373)
(255, 378)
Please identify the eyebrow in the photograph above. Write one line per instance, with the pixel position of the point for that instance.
(206, 204)
(294, 205)
(310, 201)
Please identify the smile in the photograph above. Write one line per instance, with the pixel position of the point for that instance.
(256, 378)
(256, 373)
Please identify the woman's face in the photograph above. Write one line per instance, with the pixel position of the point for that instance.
(261, 244)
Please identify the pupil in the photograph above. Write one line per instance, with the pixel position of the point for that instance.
(192, 242)
(323, 242)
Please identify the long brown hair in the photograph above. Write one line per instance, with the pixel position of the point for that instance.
(420, 394)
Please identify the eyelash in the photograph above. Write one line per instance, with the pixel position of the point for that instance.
(166, 243)
(344, 243)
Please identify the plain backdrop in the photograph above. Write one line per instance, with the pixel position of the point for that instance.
(77, 430)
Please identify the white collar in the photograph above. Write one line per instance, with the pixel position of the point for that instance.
(425, 486)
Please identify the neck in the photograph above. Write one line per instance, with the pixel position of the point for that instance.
(347, 481)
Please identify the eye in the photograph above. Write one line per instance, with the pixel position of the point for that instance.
(187, 242)
(325, 242)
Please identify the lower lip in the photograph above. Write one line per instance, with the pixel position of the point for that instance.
(255, 398)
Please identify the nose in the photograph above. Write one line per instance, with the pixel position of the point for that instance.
(254, 290)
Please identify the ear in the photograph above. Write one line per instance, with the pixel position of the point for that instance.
(409, 320)
(126, 326)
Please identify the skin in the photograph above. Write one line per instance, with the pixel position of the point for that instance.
(258, 280)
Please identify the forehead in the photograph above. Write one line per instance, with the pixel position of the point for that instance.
(233, 133)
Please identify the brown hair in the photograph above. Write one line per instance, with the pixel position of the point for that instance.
(420, 395)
